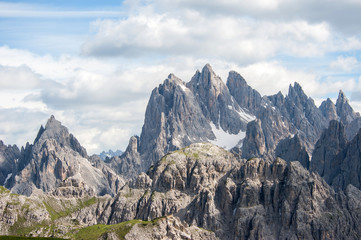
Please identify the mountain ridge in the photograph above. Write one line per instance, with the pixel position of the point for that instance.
(293, 173)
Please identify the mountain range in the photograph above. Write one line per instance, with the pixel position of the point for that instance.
(211, 155)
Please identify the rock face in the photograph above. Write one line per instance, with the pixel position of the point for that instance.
(336, 159)
(328, 110)
(245, 96)
(57, 156)
(281, 117)
(253, 194)
(179, 114)
(344, 110)
(59, 216)
(292, 150)
(328, 151)
(207, 110)
(254, 144)
(216, 102)
(9, 155)
(129, 163)
(173, 119)
(169, 227)
(200, 186)
(349, 118)
(207, 186)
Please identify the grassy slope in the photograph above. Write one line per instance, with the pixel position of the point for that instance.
(22, 238)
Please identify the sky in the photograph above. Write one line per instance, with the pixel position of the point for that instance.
(93, 64)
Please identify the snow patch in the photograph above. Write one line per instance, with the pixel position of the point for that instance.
(225, 139)
(7, 178)
(184, 88)
(245, 116)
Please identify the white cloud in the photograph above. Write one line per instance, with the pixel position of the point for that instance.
(276, 10)
(346, 64)
(23, 10)
(89, 96)
(194, 34)
(102, 100)
(19, 125)
(58, 69)
(270, 77)
(17, 78)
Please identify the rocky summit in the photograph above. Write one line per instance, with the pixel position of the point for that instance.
(214, 160)
(56, 157)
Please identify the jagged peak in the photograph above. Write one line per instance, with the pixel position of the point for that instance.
(53, 129)
(169, 85)
(236, 76)
(341, 98)
(296, 87)
(133, 145)
(172, 80)
(207, 78)
(40, 132)
(207, 68)
(296, 90)
(52, 122)
(329, 100)
(327, 103)
(172, 76)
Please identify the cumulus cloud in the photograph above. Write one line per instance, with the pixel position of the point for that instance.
(17, 78)
(101, 95)
(270, 77)
(346, 64)
(58, 69)
(193, 34)
(18, 9)
(19, 125)
(89, 96)
(343, 16)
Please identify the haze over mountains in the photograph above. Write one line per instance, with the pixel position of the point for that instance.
(292, 169)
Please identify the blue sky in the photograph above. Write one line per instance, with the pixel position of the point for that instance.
(93, 64)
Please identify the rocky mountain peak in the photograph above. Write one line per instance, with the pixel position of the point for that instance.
(133, 144)
(55, 130)
(344, 110)
(328, 110)
(207, 70)
(245, 96)
(173, 119)
(216, 102)
(52, 123)
(296, 92)
(55, 157)
(171, 81)
(341, 99)
(207, 80)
